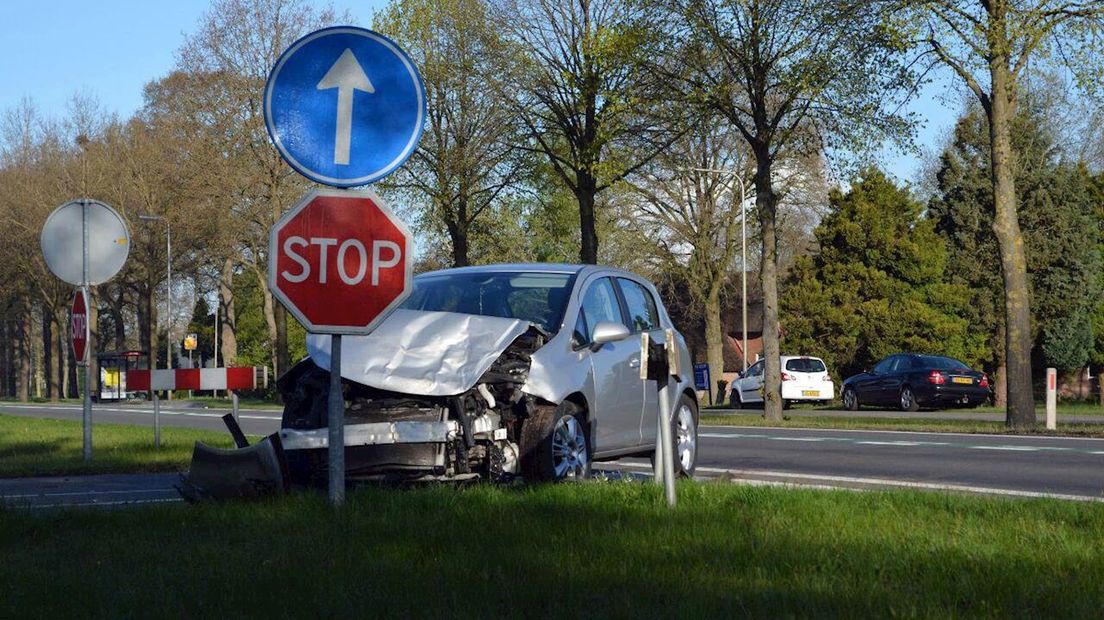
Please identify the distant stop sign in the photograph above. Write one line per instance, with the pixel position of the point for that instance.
(78, 325)
(340, 261)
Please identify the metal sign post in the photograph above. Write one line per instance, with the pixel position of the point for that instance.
(344, 106)
(659, 362)
(336, 424)
(104, 243)
(86, 414)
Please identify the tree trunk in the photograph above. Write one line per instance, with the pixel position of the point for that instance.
(270, 321)
(714, 337)
(1006, 226)
(1000, 384)
(460, 247)
(23, 356)
(63, 354)
(766, 205)
(5, 357)
(586, 190)
(228, 339)
(49, 357)
(282, 357)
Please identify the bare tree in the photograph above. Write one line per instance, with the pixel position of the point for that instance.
(578, 77)
(792, 76)
(468, 157)
(237, 44)
(990, 45)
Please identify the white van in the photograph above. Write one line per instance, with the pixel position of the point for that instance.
(804, 379)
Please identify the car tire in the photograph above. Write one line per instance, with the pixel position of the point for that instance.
(907, 400)
(684, 436)
(555, 445)
(737, 400)
(684, 433)
(850, 400)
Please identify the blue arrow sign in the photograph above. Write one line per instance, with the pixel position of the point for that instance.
(344, 106)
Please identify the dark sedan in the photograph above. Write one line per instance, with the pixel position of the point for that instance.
(911, 381)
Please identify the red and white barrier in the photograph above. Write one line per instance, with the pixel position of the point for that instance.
(242, 378)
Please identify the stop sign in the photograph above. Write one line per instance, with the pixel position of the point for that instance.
(78, 325)
(340, 261)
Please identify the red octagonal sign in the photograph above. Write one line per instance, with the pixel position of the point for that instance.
(340, 261)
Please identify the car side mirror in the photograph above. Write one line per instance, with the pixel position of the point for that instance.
(607, 331)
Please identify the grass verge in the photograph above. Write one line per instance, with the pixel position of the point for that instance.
(900, 424)
(582, 550)
(43, 447)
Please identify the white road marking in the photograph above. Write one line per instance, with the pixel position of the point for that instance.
(118, 503)
(73, 493)
(933, 433)
(1008, 448)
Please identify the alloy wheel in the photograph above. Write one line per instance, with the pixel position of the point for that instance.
(569, 449)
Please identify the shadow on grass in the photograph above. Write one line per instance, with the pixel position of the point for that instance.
(591, 550)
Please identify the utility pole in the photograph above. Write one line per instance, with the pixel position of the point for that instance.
(168, 292)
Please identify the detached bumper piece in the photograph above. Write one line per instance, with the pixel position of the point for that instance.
(250, 472)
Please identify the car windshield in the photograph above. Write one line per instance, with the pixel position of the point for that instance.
(805, 364)
(943, 363)
(539, 298)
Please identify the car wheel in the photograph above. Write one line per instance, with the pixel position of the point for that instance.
(786, 403)
(737, 400)
(908, 400)
(554, 445)
(685, 435)
(850, 400)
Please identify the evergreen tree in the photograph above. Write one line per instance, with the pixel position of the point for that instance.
(877, 286)
(1061, 238)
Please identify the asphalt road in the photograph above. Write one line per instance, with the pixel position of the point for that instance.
(252, 421)
(1069, 468)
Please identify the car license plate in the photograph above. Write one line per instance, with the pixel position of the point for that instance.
(966, 380)
(810, 393)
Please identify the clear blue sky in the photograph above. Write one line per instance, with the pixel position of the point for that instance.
(110, 49)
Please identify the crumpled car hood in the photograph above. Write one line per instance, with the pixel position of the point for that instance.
(423, 353)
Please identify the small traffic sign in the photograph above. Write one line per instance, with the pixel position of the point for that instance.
(340, 261)
(78, 326)
(344, 106)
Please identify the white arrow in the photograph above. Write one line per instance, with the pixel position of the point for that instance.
(346, 76)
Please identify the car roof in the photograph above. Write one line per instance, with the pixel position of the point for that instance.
(531, 268)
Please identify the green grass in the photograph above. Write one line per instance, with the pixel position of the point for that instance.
(43, 447)
(899, 424)
(586, 550)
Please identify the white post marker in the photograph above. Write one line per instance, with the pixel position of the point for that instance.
(156, 421)
(1051, 399)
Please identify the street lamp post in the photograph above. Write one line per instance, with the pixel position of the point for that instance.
(735, 174)
(168, 292)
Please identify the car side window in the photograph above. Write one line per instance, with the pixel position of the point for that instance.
(643, 315)
(885, 366)
(755, 370)
(599, 304)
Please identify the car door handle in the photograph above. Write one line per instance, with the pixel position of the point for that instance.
(634, 362)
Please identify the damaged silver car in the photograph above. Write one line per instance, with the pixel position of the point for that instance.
(489, 372)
